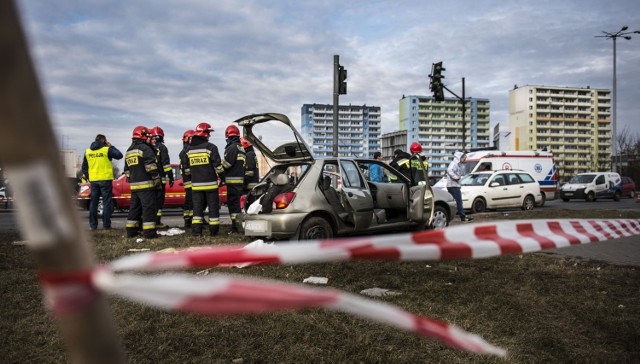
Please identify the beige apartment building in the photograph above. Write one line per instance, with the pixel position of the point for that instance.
(572, 123)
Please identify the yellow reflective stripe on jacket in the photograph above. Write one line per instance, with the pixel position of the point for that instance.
(141, 185)
(100, 168)
(204, 186)
(234, 180)
(187, 184)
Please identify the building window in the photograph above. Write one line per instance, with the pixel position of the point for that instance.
(530, 107)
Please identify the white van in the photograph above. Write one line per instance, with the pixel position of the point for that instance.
(593, 185)
(539, 164)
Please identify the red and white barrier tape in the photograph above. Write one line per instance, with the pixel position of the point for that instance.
(224, 295)
(460, 242)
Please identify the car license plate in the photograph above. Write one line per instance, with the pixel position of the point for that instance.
(257, 227)
(568, 193)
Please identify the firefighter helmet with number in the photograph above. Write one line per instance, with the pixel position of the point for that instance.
(186, 137)
(140, 132)
(415, 148)
(203, 130)
(245, 143)
(231, 130)
(157, 131)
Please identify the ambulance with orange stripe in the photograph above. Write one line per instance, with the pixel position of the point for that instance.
(540, 164)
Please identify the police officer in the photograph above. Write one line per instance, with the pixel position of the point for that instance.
(251, 172)
(203, 160)
(142, 172)
(233, 163)
(166, 172)
(186, 178)
(97, 168)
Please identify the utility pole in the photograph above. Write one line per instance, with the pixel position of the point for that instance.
(339, 88)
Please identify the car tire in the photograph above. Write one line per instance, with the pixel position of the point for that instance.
(590, 197)
(616, 196)
(440, 218)
(316, 227)
(528, 203)
(479, 205)
(565, 199)
(544, 199)
(632, 194)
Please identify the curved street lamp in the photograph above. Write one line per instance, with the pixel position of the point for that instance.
(624, 34)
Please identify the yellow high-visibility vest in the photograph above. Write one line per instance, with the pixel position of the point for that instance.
(100, 168)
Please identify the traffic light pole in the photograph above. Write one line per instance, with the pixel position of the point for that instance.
(464, 109)
(336, 102)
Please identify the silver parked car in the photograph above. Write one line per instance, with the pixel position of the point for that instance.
(303, 197)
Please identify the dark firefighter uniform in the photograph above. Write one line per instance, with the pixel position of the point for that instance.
(142, 173)
(166, 173)
(203, 160)
(233, 164)
(251, 173)
(401, 162)
(187, 212)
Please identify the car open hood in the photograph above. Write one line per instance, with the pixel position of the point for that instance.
(275, 137)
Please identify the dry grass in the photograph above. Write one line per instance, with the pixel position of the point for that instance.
(541, 309)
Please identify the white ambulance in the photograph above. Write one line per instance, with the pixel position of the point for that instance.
(540, 164)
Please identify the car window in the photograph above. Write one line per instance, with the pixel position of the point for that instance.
(513, 179)
(526, 178)
(474, 179)
(600, 180)
(176, 173)
(351, 174)
(500, 179)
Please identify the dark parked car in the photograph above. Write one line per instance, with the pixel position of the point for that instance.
(303, 197)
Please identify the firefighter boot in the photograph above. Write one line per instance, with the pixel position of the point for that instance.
(214, 229)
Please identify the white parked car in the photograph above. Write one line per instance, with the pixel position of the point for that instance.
(497, 189)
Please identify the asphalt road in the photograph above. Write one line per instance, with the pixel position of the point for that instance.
(624, 251)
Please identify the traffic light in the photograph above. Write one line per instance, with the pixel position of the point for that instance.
(436, 81)
(342, 83)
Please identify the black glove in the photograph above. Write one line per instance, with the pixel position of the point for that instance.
(170, 181)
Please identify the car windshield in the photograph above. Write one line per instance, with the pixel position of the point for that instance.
(475, 179)
(584, 178)
(467, 167)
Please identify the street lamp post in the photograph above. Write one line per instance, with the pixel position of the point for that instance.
(614, 137)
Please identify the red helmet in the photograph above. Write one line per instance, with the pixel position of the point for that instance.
(140, 132)
(186, 137)
(157, 131)
(203, 130)
(245, 143)
(231, 130)
(415, 148)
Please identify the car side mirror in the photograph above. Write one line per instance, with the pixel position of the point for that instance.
(494, 184)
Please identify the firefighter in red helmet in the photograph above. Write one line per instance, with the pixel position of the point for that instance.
(251, 172)
(187, 209)
(141, 170)
(166, 172)
(233, 162)
(203, 160)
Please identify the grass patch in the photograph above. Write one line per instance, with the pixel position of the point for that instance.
(540, 308)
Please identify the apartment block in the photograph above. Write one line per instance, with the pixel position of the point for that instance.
(358, 129)
(438, 127)
(572, 123)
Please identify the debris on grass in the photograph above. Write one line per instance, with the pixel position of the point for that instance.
(316, 280)
(379, 292)
(171, 232)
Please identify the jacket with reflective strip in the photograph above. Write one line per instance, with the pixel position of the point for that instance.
(203, 160)
(251, 173)
(141, 166)
(184, 168)
(234, 162)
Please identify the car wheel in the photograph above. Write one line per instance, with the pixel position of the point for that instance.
(616, 196)
(590, 197)
(528, 203)
(478, 205)
(440, 218)
(316, 228)
(544, 199)
(565, 199)
(632, 194)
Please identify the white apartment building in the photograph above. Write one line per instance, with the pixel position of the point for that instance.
(358, 129)
(573, 123)
(438, 127)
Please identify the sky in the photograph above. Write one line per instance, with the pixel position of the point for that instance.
(106, 67)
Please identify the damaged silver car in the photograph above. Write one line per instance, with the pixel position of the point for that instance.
(302, 197)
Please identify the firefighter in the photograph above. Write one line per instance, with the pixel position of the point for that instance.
(166, 172)
(417, 163)
(186, 178)
(401, 162)
(251, 172)
(203, 160)
(233, 163)
(141, 170)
